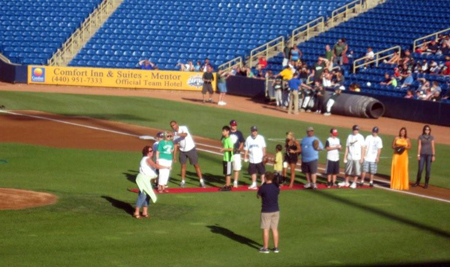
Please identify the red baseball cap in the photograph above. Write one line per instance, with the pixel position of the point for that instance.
(233, 123)
(334, 132)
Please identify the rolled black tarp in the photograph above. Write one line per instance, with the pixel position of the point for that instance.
(356, 106)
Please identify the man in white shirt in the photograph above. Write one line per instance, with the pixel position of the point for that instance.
(374, 144)
(255, 151)
(184, 142)
(333, 146)
(353, 158)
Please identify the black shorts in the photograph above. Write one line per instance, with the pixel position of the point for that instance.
(309, 167)
(256, 168)
(207, 87)
(332, 167)
(227, 168)
(291, 158)
(191, 155)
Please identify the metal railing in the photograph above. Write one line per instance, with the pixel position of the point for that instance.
(275, 46)
(308, 30)
(427, 39)
(379, 56)
(316, 27)
(82, 35)
(346, 12)
(231, 64)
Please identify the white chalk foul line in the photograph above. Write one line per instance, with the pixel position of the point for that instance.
(206, 150)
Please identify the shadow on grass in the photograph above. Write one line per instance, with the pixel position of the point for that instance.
(217, 229)
(130, 177)
(208, 178)
(120, 204)
(385, 214)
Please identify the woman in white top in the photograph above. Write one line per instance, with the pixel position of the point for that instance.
(147, 172)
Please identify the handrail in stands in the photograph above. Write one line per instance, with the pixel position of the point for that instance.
(231, 64)
(276, 45)
(306, 31)
(377, 57)
(435, 35)
(346, 12)
(82, 35)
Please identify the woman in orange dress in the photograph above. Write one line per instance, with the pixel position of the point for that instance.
(400, 164)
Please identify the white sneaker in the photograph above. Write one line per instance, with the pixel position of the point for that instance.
(327, 114)
(353, 186)
(314, 186)
(224, 103)
(202, 185)
(235, 184)
(253, 187)
(182, 184)
(344, 184)
(308, 185)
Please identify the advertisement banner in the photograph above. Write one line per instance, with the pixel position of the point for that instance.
(122, 78)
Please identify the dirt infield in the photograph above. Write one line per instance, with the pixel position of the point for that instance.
(87, 133)
(17, 199)
(245, 104)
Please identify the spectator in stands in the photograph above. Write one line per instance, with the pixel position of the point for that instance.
(407, 59)
(447, 96)
(355, 87)
(428, 95)
(329, 56)
(338, 52)
(304, 73)
(260, 75)
(286, 74)
(205, 65)
(208, 78)
(409, 94)
(388, 80)
(198, 66)
(318, 69)
(434, 67)
(423, 86)
(326, 79)
(241, 71)
(262, 63)
(417, 68)
(436, 97)
(445, 47)
(286, 56)
(395, 59)
(446, 69)
(146, 65)
(369, 56)
(418, 95)
(397, 73)
(186, 67)
(337, 79)
(433, 47)
(435, 87)
(408, 79)
(296, 54)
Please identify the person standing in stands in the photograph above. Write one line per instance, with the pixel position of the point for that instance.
(185, 143)
(205, 65)
(400, 162)
(329, 56)
(338, 52)
(374, 144)
(238, 142)
(296, 54)
(286, 56)
(208, 78)
(318, 69)
(425, 155)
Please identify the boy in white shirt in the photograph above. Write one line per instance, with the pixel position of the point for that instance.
(353, 158)
(255, 151)
(374, 144)
(333, 146)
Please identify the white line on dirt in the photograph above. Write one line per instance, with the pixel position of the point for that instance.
(205, 150)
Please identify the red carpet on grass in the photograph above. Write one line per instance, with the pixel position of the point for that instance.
(239, 189)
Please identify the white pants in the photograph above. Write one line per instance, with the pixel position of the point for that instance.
(330, 104)
(285, 62)
(164, 173)
(237, 163)
(279, 97)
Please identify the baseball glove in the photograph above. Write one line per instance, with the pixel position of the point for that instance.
(316, 144)
(265, 160)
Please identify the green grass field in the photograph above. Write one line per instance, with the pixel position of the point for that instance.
(205, 121)
(91, 225)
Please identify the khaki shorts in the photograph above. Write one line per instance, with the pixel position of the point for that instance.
(269, 220)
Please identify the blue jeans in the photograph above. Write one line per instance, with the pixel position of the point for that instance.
(424, 160)
(143, 200)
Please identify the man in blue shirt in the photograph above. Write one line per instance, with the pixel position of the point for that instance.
(146, 65)
(294, 86)
(310, 157)
(270, 212)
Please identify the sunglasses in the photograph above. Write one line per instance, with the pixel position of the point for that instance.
(169, 136)
(150, 150)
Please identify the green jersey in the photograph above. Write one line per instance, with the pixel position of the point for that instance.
(227, 143)
(165, 149)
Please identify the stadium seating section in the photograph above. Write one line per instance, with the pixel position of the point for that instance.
(168, 32)
(31, 31)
